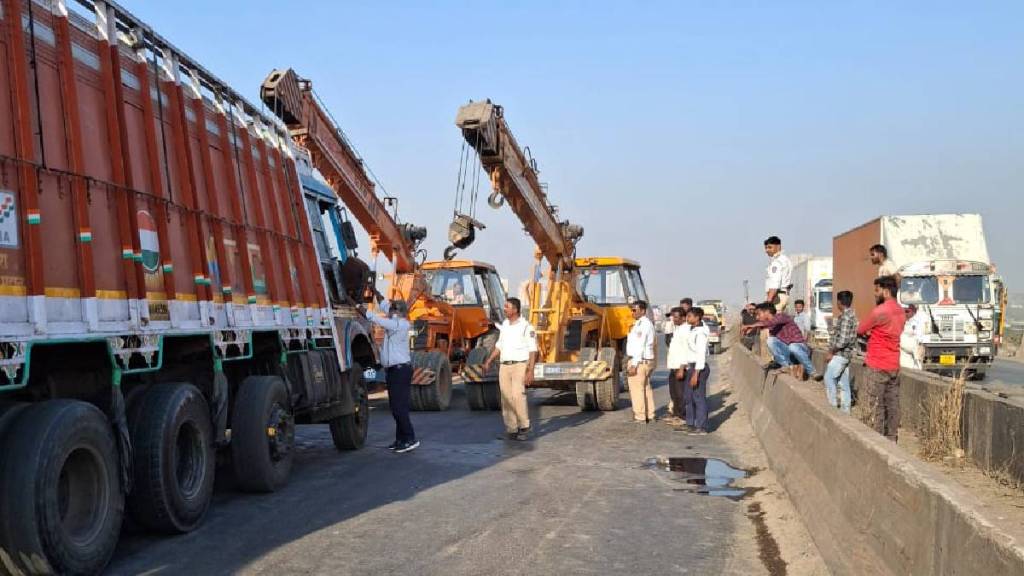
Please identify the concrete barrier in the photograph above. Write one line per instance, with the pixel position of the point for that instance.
(871, 507)
(992, 428)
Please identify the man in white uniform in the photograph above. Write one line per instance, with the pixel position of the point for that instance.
(517, 347)
(640, 350)
(396, 359)
(778, 274)
(675, 365)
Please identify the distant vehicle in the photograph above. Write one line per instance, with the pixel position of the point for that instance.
(812, 283)
(714, 309)
(945, 270)
(714, 335)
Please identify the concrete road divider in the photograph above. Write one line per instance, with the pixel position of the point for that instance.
(871, 507)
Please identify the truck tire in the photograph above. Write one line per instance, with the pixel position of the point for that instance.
(482, 395)
(349, 431)
(173, 460)
(59, 490)
(438, 395)
(262, 434)
(601, 395)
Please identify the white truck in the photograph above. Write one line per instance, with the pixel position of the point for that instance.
(812, 283)
(945, 271)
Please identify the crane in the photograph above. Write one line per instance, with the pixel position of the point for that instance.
(579, 306)
(453, 305)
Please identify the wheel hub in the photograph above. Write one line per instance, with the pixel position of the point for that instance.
(280, 432)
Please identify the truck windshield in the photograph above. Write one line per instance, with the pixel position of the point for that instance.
(971, 289)
(919, 290)
(493, 295)
(606, 285)
(825, 301)
(637, 284)
(457, 287)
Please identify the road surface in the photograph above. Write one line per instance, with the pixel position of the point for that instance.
(576, 500)
(1005, 378)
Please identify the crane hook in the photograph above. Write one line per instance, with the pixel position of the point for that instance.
(495, 200)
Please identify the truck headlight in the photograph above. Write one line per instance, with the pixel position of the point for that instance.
(986, 324)
(984, 335)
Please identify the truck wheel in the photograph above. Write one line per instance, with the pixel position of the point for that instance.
(60, 485)
(482, 395)
(262, 434)
(437, 395)
(174, 458)
(602, 395)
(349, 431)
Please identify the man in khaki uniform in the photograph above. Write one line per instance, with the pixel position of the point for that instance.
(517, 347)
(640, 350)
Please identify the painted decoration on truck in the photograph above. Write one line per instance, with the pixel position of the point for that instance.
(149, 241)
(8, 220)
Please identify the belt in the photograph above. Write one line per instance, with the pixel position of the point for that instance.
(782, 291)
(507, 362)
(402, 365)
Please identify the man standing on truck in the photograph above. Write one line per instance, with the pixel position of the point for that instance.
(517, 347)
(879, 256)
(640, 350)
(883, 328)
(397, 362)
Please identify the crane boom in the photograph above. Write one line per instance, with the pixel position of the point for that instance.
(514, 177)
(292, 100)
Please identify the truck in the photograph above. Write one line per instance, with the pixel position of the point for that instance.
(168, 290)
(579, 306)
(812, 283)
(944, 270)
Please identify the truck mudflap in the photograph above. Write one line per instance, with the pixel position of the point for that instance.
(589, 371)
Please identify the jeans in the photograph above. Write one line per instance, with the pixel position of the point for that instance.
(882, 392)
(838, 370)
(399, 380)
(781, 352)
(696, 399)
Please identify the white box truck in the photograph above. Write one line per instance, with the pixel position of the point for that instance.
(812, 283)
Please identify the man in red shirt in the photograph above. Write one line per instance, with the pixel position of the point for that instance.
(883, 328)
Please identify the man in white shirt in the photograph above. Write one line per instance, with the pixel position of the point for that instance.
(879, 256)
(640, 350)
(517, 348)
(674, 363)
(802, 319)
(778, 274)
(397, 362)
(695, 375)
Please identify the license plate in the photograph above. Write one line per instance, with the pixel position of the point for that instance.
(947, 359)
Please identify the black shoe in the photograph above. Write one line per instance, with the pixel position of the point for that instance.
(522, 436)
(394, 445)
(407, 447)
(686, 428)
(817, 377)
(507, 436)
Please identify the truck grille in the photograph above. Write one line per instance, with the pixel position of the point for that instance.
(951, 328)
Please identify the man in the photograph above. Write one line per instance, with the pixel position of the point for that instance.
(396, 360)
(517, 348)
(802, 318)
(640, 350)
(748, 316)
(778, 274)
(883, 328)
(913, 334)
(676, 364)
(842, 346)
(695, 375)
(684, 305)
(879, 256)
(784, 340)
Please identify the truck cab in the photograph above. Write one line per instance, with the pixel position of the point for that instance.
(612, 284)
(821, 309)
(957, 299)
(475, 295)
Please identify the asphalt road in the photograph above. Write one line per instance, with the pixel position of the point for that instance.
(1006, 378)
(576, 500)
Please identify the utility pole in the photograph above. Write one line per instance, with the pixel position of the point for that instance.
(746, 291)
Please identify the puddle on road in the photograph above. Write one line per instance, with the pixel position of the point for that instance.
(707, 476)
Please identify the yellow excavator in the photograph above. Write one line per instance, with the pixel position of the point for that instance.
(579, 306)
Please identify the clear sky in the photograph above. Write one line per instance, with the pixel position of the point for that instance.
(677, 133)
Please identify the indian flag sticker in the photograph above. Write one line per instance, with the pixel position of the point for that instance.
(149, 241)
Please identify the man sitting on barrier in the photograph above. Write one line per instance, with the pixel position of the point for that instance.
(785, 340)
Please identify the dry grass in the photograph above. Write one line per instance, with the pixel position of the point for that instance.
(939, 429)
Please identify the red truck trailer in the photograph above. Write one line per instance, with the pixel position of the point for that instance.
(167, 289)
